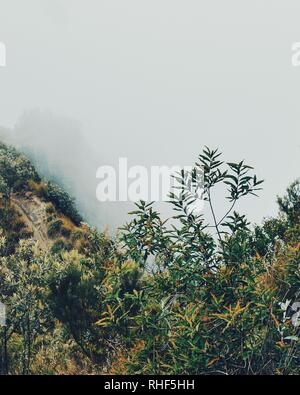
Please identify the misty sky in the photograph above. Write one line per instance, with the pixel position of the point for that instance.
(155, 81)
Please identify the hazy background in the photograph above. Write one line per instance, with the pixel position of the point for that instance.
(153, 81)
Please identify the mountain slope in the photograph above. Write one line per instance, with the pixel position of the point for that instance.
(31, 208)
(34, 216)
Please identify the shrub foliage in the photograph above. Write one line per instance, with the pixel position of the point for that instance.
(196, 294)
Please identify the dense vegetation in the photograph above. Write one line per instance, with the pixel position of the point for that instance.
(184, 296)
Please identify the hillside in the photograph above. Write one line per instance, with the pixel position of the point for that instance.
(43, 210)
(40, 217)
(34, 216)
(49, 227)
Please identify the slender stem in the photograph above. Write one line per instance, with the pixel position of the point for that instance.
(215, 221)
(228, 212)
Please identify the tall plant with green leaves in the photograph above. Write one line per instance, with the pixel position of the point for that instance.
(194, 238)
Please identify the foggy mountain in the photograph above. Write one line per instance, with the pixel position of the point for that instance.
(57, 147)
(153, 83)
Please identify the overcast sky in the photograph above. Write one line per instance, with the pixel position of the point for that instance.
(157, 80)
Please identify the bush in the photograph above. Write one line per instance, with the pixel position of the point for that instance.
(50, 218)
(65, 232)
(16, 171)
(59, 246)
(199, 296)
(212, 305)
(63, 202)
(54, 228)
(50, 208)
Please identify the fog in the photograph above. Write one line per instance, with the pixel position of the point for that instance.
(87, 82)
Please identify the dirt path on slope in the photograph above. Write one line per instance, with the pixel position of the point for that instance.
(35, 218)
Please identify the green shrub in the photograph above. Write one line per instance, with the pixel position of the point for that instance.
(54, 228)
(203, 295)
(16, 171)
(65, 232)
(50, 209)
(59, 246)
(63, 202)
(51, 218)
